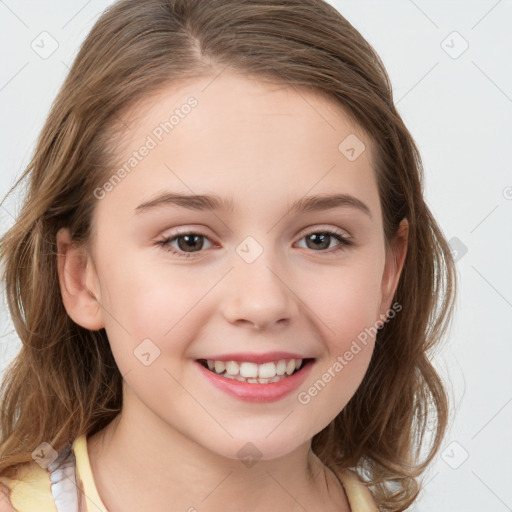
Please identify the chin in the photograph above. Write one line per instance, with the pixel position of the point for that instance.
(248, 447)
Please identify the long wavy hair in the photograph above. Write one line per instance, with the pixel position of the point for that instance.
(65, 382)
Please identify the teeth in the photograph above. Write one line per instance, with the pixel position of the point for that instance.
(281, 367)
(249, 370)
(267, 370)
(272, 371)
(232, 368)
(277, 378)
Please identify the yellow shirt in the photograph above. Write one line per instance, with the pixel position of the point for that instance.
(38, 490)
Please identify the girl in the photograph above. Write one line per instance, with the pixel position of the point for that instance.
(225, 278)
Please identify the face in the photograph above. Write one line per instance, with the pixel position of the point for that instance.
(248, 284)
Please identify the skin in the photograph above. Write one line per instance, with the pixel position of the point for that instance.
(177, 437)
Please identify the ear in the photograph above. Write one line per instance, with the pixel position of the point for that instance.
(78, 283)
(395, 257)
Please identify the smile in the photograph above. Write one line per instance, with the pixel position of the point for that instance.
(252, 373)
(263, 381)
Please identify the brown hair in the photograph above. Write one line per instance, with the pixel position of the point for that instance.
(65, 381)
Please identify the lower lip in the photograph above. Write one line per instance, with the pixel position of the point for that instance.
(258, 392)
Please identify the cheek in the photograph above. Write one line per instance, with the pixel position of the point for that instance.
(346, 301)
(346, 304)
(335, 382)
(152, 299)
(338, 375)
(150, 312)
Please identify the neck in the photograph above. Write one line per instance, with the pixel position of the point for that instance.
(140, 463)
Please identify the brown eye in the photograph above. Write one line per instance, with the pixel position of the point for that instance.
(320, 241)
(188, 244)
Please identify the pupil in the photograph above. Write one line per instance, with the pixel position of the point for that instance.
(319, 238)
(191, 241)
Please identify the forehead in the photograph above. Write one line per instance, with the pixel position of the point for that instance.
(251, 140)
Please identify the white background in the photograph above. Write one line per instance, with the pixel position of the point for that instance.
(459, 112)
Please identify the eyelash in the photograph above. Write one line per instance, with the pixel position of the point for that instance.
(343, 242)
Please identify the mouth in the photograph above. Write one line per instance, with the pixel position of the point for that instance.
(269, 372)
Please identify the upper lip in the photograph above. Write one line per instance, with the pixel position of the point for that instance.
(252, 357)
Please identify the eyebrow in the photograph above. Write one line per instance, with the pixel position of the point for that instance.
(214, 202)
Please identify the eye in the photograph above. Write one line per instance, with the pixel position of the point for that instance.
(187, 242)
(190, 242)
(322, 240)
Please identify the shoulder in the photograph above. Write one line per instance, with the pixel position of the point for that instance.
(29, 491)
(358, 494)
(5, 501)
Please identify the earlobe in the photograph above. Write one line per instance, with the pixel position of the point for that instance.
(395, 259)
(75, 271)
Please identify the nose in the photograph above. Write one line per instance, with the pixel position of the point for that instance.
(260, 296)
